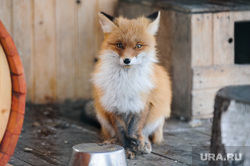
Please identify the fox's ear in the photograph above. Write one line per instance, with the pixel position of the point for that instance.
(154, 25)
(106, 22)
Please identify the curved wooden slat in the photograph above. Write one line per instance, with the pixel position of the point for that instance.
(3, 32)
(4, 158)
(15, 64)
(18, 102)
(9, 46)
(9, 141)
(15, 122)
(18, 83)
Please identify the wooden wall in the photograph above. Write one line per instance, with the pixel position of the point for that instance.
(57, 41)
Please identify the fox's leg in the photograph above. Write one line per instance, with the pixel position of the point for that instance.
(147, 147)
(120, 127)
(154, 127)
(135, 124)
(129, 131)
(107, 128)
(157, 137)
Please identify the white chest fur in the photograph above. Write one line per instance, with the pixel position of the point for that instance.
(123, 87)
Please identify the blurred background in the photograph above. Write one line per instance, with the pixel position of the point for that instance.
(57, 41)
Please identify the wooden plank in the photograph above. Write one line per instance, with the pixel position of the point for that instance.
(66, 55)
(173, 126)
(132, 10)
(241, 16)
(202, 39)
(203, 6)
(88, 42)
(45, 148)
(177, 146)
(48, 52)
(188, 137)
(107, 6)
(153, 159)
(175, 149)
(203, 103)
(23, 38)
(50, 143)
(204, 129)
(44, 64)
(181, 45)
(53, 141)
(5, 93)
(219, 76)
(6, 14)
(223, 31)
(33, 158)
(164, 40)
(86, 15)
(164, 53)
(18, 162)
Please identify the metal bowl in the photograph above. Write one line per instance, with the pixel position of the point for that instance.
(92, 154)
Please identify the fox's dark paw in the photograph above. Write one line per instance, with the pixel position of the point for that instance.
(135, 145)
(130, 154)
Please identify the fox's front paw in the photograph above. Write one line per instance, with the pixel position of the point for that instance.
(136, 145)
(109, 141)
(130, 154)
(147, 147)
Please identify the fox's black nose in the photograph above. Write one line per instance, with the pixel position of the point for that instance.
(126, 61)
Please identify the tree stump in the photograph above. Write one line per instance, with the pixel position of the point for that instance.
(230, 142)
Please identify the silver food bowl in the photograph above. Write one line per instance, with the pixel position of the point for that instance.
(92, 154)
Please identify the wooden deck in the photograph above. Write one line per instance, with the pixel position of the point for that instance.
(47, 138)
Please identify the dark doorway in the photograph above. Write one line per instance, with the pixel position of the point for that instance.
(242, 42)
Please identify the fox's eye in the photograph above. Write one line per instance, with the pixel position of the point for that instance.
(119, 45)
(138, 46)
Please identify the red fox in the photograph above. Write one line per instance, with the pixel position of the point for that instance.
(132, 93)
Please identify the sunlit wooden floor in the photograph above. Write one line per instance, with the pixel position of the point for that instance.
(50, 131)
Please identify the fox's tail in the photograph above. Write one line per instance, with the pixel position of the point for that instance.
(88, 114)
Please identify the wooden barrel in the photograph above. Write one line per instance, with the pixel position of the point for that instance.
(12, 96)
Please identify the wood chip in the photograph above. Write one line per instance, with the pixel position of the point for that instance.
(28, 149)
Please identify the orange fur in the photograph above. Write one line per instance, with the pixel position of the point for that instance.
(158, 100)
